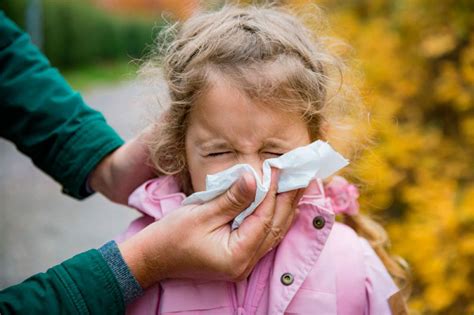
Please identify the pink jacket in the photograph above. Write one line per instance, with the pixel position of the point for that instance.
(320, 267)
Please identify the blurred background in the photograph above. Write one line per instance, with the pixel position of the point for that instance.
(417, 62)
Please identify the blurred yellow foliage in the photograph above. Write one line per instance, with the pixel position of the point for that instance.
(417, 57)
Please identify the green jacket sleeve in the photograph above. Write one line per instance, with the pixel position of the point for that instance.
(83, 284)
(45, 118)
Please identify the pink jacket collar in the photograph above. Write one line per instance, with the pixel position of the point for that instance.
(157, 197)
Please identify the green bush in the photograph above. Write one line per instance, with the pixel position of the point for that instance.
(77, 33)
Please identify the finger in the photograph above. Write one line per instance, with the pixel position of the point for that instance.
(227, 206)
(278, 232)
(299, 195)
(266, 209)
(263, 214)
(255, 228)
(285, 207)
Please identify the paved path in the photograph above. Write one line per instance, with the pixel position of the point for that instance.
(40, 227)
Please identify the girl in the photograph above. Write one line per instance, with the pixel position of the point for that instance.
(246, 85)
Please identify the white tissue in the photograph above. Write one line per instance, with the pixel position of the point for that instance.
(298, 167)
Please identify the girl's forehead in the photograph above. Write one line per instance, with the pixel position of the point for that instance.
(223, 116)
(226, 106)
(247, 88)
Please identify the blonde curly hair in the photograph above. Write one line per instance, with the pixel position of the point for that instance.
(271, 57)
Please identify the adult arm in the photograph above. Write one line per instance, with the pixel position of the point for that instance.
(45, 118)
(102, 282)
(83, 284)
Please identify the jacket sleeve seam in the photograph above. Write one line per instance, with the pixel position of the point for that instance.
(73, 292)
(73, 139)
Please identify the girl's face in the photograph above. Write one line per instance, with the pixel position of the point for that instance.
(227, 128)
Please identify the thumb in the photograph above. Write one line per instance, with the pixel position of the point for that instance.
(236, 199)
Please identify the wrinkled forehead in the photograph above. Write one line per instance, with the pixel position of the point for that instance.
(224, 117)
(225, 112)
(225, 100)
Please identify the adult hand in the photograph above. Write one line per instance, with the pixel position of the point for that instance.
(196, 241)
(119, 173)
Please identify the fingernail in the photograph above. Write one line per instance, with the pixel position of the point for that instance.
(241, 183)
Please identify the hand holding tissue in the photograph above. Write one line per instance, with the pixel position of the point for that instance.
(298, 167)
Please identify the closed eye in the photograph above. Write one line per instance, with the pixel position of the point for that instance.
(216, 154)
(273, 153)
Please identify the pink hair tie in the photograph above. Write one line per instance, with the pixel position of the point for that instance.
(343, 196)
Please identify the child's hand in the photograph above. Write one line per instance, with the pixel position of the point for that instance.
(197, 241)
